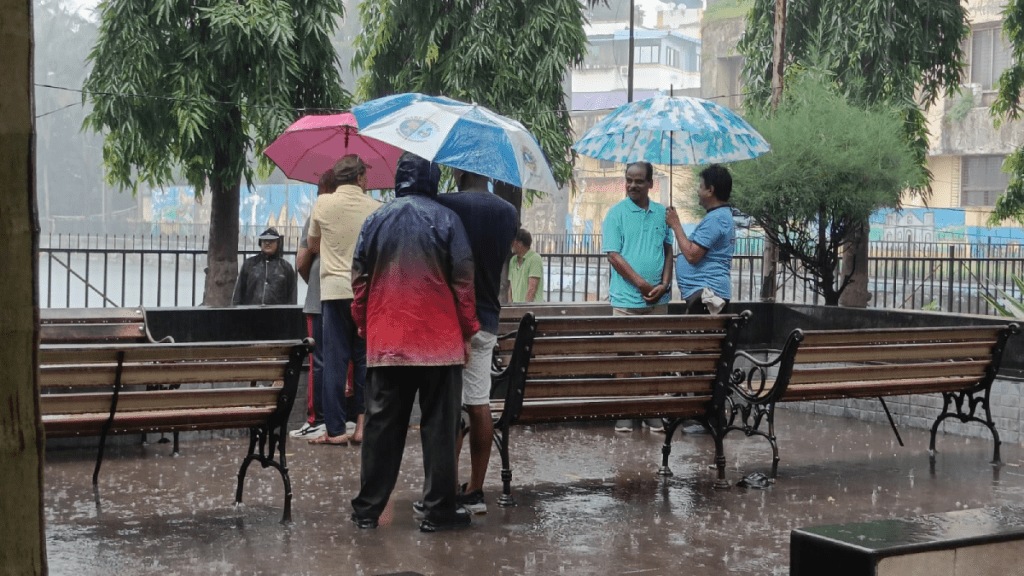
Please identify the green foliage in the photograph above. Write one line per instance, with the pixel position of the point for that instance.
(904, 54)
(831, 165)
(197, 85)
(727, 10)
(1013, 307)
(1010, 206)
(962, 107)
(508, 55)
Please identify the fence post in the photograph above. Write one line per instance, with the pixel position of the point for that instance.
(950, 265)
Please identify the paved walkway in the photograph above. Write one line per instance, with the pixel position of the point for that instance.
(590, 503)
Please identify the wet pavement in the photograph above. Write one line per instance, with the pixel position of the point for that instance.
(589, 503)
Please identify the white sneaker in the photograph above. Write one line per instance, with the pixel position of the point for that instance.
(309, 431)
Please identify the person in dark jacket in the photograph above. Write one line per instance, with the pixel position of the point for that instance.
(266, 278)
(412, 281)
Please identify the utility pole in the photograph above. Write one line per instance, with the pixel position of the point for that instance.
(770, 258)
(629, 75)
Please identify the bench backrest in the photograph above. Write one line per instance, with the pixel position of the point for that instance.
(217, 391)
(884, 361)
(598, 366)
(93, 326)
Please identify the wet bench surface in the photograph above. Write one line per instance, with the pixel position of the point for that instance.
(977, 542)
(960, 363)
(578, 368)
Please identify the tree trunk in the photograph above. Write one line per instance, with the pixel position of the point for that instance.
(21, 436)
(222, 253)
(855, 257)
(770, 257)
(514, 195)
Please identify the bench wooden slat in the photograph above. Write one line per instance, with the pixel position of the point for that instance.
(82, 333)
(974, 368)
(567, 345)
(71, 375)
(566, 388)
(896, 352)
(550, 366)
(547, 326)
(897, 387)
(612, 408)
(85, 315)
(107, 353)
(813, 338)
(156, 421)
(150, 400)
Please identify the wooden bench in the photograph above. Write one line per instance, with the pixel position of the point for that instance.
(100, 389)
(94, 326)
(566, 368)
(960, 363)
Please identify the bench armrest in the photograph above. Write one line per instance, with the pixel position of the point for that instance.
(509, 384)
(753, 382)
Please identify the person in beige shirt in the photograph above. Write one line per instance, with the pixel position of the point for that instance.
(333, 230)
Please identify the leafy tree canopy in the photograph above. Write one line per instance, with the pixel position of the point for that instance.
(1008, 106)
(198, 84)
(904, 54)
(508, 55)
(831, 165)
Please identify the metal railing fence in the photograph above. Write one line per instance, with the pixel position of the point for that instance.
(169, 270)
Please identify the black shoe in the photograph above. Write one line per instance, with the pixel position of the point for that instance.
(437, 523)
(419, 510)
(472, 501)
(364, 522)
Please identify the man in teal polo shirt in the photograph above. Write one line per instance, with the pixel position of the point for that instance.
(639, 247)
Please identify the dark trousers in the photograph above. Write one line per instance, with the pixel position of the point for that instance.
(695, 305)
(341, 345)
(390, 393)
(315, 386)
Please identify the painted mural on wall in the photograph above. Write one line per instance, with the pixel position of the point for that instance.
(928, 225)
(282, 205)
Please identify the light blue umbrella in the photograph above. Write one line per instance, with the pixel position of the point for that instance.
(673, 130)
(460, 135)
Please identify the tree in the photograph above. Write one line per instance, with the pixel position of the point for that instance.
(832, 164)
(196, 86)
(508, 55)
(1008, 106)
(21, 435)
(903, 54)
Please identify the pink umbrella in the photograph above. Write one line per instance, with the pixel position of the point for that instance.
(312, 145)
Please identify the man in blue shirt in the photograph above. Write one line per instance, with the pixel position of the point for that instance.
(705, 258)
(638, 241)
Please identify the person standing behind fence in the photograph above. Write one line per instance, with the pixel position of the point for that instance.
(526, 270)
(705, 258)
(266, 278)
(307, 263)
(491, 225)
(415, 301)
(638, 242)
(333, 231)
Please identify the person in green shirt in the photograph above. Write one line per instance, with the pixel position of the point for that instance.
(525, 270)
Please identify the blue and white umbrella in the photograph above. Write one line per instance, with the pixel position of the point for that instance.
(673, 130)
(460, 135)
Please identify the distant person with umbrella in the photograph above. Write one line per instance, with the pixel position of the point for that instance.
(415, 302)
(266, 278)
(705, 257)
(638, 242)
(333, 231)
(491, 223)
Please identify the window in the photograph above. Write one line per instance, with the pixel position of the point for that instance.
(672, 58)
(982, 180)
(990, 55)
(606, 164)
(646, 54)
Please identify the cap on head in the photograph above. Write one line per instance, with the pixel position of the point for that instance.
(348, 169)
(269, 234)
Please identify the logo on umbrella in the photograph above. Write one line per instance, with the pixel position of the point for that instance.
(528, 160)
(417, 129)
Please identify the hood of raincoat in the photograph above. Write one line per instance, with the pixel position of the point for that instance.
(416, 176)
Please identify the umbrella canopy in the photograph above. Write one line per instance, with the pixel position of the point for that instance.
(677, 130)
(312, 145)
(460, 135)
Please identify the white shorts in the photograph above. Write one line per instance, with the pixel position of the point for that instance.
(476, 376)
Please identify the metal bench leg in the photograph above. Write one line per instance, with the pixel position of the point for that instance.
(501, 442)
(720, 483)
(257, 437)
(666, 449)
(110, 418)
